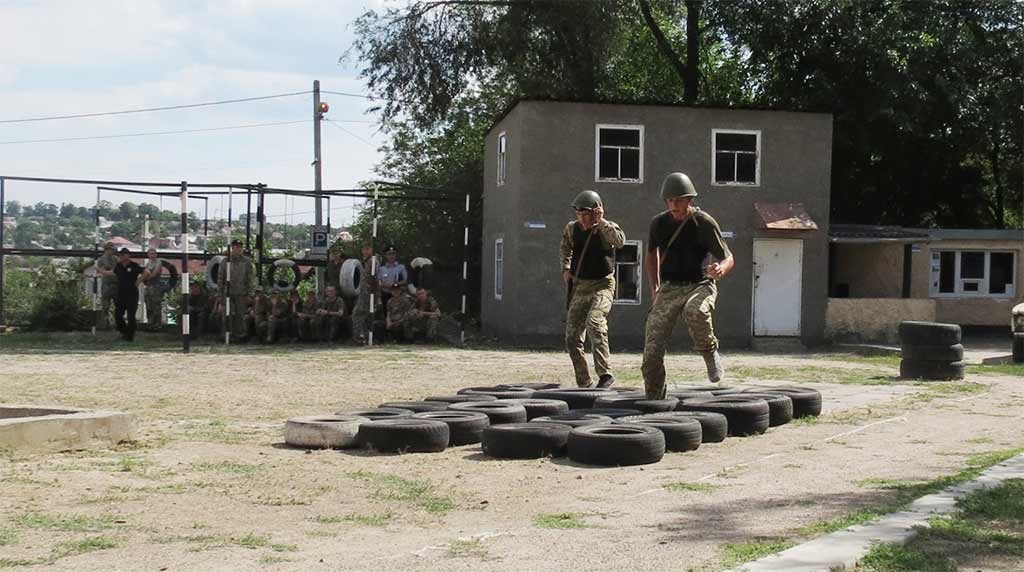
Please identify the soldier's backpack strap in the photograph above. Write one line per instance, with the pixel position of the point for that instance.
(664, 253)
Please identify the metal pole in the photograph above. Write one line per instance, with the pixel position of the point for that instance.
(96, 268)
(3, 320)
(227, 279)
(465, 269)
(318, 183)
(259, 233)
(248, 218)
(186, 305)
(373, 269)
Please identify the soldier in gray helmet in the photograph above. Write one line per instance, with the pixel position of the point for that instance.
(683, 241)
(588, 271)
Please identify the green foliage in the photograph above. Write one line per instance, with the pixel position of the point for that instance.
(739, 552)
(560, 520)
(50, 298)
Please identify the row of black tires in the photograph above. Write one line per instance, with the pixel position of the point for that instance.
(593, 426)
(931, 351)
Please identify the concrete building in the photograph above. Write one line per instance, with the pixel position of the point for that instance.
(764, 175)
(881, 275)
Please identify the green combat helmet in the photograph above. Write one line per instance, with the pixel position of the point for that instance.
(587, 200)
(677, 186)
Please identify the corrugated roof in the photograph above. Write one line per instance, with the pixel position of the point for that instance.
(873, 233)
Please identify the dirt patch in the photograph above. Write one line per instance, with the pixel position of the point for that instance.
(209, 485)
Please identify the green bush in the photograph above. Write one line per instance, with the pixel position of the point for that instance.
(47, 298)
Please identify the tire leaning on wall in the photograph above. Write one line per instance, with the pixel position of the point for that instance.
(278, 286)
(172, 272)
(349, 277)
(213, 270)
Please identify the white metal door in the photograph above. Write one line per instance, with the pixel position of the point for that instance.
(778, 272)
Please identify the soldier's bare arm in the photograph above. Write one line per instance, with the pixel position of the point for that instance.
(651, 265)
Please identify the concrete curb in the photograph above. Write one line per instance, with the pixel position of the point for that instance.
(842, 550)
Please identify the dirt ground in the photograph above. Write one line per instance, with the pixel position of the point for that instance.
(208, 484)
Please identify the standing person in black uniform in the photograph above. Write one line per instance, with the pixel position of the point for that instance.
(129, 275)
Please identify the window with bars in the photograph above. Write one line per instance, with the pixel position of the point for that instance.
(972, 273)
(736, 157)
(619, 156)
(501, 158)
(628, 273)
(499, 266)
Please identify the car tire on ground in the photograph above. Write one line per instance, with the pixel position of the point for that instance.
(536, 386)
(704, 389)
(616, 445)
(415, 406)
(498, 412)
(947, 354)
(378, 413)
(714, 427)
(929, 334)
(576, 397)
(806, 401)
(500, 391)
(638, 402)
(541, 407)
(780, 406)
(404, 435)
(745, 417)
(532, 440)
(460, 398)
(931, 370)
(575, 419)
(613, 412)
(464, 427)
(681, 433)
(323, 431)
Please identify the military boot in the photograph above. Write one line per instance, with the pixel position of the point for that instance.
(714, 363)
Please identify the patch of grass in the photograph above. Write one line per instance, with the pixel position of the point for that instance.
(8, 536)
(66, 522)
(890, 558)
(284, 547)
(268, 559)
(362, 519)
(128, 464)
(811, 374)
(734, 554)
(394, 488)
(228, 467)
(252, 541)
(682, 486)
(561, 520)
(215, 431)
(84, 546)
(467, 549)
(906, 492)
(887, 360)
(805, 421)
(980, 440)
(1001, 369)
(1005, 502)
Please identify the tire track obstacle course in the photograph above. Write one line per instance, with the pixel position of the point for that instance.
(600, 427)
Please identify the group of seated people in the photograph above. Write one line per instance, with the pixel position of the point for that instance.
(273, 316)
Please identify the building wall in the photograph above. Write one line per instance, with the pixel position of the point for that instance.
(874, 319)
(554, 147)
(871, 270)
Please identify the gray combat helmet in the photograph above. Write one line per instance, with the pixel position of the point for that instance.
(677, 186)
(587, 200)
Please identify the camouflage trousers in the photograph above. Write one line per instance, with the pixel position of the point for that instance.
(695, 302)
(588, 317)
(108, 298)
(362, 318)
(154, 306)
(237, 323)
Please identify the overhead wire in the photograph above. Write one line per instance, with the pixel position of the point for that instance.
(146, 134)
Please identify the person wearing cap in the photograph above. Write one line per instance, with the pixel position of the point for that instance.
(391, 273)
(129, 276)
(401, 315)
(243, 276)
(682, 241)
(154, 294)
(587, 254)
(108, 282)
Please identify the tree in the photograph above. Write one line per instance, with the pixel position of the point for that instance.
(67, 210)
(128, 211)
(13, 208)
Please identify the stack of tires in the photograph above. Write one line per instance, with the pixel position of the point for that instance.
(931, 351)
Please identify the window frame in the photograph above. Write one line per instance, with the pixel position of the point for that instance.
(502, 158)
(499, 267)
(597, 153)
(757, 158)
(934, 271)
(639, 276)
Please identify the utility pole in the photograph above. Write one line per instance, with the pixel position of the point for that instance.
(318, 184)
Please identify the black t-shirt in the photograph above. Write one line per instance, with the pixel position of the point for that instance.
(685, 260)
(126, 277)
(599, 259)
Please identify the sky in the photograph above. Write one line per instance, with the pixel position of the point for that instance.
(70, 57)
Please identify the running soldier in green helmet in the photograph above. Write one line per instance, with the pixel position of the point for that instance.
(683, 240)
(588, 271)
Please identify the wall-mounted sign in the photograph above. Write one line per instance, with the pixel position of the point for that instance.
(535, 224)
(728, 234)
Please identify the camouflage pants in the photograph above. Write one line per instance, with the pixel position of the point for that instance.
(154, 306)
(238, 310)
(108, 297)
(362, 318)
(278, 328)
(327, 327)
(696, 302)
(306, 327)
(428, 326)
(588, 317)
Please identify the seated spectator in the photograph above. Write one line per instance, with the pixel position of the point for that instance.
(281, 321)
(392, 273)
(426, 314)
(400, 314)
(329, 315)
(305, 318)
(258, 318)
(198, 311)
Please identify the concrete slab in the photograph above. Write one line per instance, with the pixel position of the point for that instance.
(34, 429)
(842, 550)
